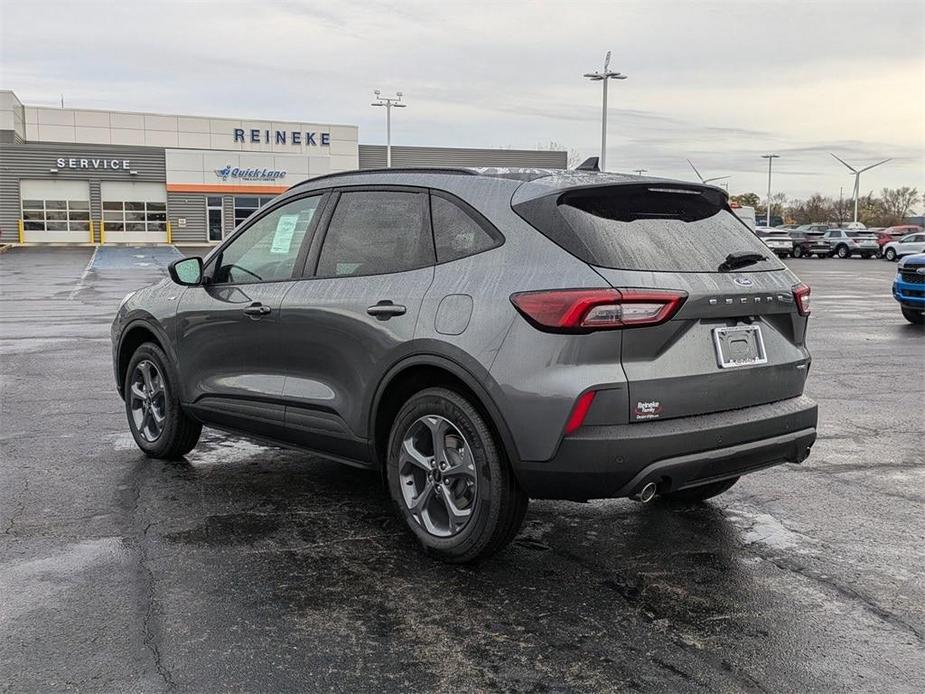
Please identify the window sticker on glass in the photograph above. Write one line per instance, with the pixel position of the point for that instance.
(285, 228)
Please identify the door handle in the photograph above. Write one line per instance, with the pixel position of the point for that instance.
(257, 309)
(385, 309)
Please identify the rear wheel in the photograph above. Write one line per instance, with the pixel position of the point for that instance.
(842, 252)
(914, 316)
(890, 254)
(158, 423)
(797, 252)
(449, 479)
(700, 493)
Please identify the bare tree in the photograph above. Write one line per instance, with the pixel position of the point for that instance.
(896, 203)
(573, 158)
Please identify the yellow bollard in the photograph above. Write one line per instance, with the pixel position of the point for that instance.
(91, 232)
(169, 232)
(19, 228)
(102, 232)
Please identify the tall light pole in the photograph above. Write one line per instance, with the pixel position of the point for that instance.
(857, 179)
(603, 77)
(389, 102)
(770, 158)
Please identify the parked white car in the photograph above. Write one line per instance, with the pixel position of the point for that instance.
(907, 245)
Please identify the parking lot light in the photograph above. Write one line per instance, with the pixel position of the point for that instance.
(770, 158)
(389, 102)
(603, 77)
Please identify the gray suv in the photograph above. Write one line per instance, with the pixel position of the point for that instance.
(483, 337)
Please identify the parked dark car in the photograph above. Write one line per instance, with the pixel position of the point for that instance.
(844, 244)
(804, 241)
(909, 288)
(482, 338)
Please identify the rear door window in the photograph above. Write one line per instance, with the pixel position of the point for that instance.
(376, 232)
(649, 228)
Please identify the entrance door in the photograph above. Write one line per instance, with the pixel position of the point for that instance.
(215, 218)
(55, 211)
(134, 212)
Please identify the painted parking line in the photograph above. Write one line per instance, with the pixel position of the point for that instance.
(133, 257)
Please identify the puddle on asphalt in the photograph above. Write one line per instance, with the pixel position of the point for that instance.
(756, 527)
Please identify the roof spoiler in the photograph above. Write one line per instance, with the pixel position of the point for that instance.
(589, 164)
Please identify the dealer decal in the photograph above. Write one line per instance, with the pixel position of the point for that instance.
(648, 410)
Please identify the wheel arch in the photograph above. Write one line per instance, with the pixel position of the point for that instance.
(135, 334)
(420, 371)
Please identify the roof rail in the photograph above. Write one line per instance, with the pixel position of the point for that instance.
(412, 170)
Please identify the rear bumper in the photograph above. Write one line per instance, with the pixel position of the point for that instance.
(616, 461)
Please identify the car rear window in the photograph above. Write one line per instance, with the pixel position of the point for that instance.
(650, 228)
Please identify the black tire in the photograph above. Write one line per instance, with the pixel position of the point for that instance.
(914, 316)
(843, 252)
(498, 506)
(178, 433)
(692, 495)
(890, 254)
(797, 252)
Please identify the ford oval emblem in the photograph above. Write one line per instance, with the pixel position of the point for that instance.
(743, 281)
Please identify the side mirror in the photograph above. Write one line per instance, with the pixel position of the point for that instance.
(186, 271)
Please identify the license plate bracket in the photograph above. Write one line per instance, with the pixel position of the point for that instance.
(740, 345)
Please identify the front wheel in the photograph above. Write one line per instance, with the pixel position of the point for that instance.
(797, 252)
(702, 492)
(914, 316)
(842, 252)
(890, 254)
(450, 480)
(158, 423)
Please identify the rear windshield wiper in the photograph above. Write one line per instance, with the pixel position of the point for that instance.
(740, 259)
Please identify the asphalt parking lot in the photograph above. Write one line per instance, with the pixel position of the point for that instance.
(248, 568)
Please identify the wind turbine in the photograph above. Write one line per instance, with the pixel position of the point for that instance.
(702, 179)
(857, 179)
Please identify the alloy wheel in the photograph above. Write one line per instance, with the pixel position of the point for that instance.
(437, 476)
(148, 400)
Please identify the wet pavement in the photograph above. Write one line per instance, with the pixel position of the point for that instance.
(249, 568)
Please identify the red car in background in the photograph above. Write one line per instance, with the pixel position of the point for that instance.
(884, 236)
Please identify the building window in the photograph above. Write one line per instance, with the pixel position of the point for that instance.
(135, 216)
(56, 215)
(215, 218)
(244, 207)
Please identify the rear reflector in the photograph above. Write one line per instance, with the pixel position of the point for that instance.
(585, 310)
(801, 294)
(579, 412)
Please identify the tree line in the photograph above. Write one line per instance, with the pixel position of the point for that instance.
(888, 208)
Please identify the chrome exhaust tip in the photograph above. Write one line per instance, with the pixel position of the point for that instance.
(646, 493)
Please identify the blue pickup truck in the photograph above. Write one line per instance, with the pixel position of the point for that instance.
(909, 287)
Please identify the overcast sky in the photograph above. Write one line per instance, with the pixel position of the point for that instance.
(719, 83)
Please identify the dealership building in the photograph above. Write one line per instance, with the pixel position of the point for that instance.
(90, 176)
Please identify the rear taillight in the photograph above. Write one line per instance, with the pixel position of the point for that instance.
(801, 294)
(584, 310)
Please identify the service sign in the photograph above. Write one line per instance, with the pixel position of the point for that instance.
(93, 163)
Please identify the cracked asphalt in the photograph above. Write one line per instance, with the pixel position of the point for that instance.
(250, 568)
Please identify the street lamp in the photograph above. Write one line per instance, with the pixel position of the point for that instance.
(389, 102)
(640, 172)
(857, 179)
(770, 158)
(604, 77)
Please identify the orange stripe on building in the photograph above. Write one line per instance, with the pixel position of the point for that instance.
(218, 190)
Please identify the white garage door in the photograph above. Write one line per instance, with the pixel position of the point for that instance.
(55, 211)
(134, 212)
